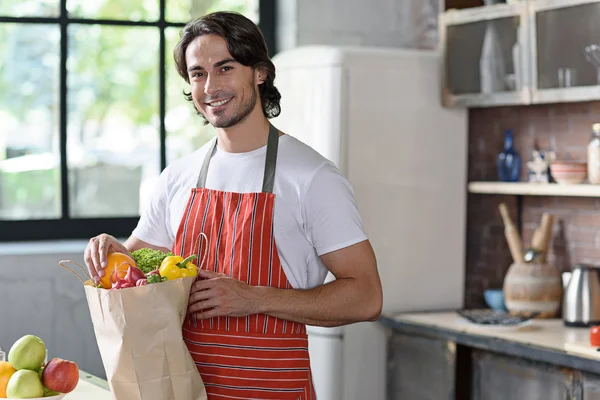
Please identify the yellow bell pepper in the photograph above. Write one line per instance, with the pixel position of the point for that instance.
(175, 267)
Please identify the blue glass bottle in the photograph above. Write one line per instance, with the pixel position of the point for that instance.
(509, 160)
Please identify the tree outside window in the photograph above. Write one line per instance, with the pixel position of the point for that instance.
(83, 112)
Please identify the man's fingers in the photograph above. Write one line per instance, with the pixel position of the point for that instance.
(87, 258)
(103, 250)
(202, 305)
(208, 274)
(201, 296)
(96, 257)
(201, 285)
(214, 312)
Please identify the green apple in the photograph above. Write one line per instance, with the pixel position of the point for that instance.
(28, 352)
(24, 384)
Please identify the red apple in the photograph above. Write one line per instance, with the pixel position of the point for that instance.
(60, 375)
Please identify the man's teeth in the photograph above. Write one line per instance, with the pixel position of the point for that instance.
(219, 103)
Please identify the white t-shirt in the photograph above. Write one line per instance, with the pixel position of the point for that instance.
(315, 208)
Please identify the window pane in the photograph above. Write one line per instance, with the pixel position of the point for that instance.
(186, 10)
(132, 10)
(29, 8)
(29, 107)
(185, 129)
(113, 137)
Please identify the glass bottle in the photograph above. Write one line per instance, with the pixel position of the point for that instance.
(593, 156)
(491, 62)
(509, 160)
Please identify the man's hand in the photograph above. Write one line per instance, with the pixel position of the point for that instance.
(96, 251)
(219, 295)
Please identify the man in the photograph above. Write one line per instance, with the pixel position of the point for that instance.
(277, 217)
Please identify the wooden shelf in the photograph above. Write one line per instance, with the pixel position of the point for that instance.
(535, 189)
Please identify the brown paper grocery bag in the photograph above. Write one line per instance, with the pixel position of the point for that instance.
(139, 335)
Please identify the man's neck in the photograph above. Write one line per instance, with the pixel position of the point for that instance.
(248, 135)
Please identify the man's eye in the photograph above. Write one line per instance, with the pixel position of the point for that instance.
(225, 69)
(196, 74)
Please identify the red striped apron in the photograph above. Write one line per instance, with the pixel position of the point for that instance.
(253, 357)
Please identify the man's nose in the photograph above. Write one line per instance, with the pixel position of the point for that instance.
(212, 85)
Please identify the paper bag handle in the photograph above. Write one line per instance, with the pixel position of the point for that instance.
(73, 272)
(201, 263)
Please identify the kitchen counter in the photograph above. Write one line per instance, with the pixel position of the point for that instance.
(90, 387)
(543, 359)
(543, 340)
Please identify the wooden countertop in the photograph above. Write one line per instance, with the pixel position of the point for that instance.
(543, 339)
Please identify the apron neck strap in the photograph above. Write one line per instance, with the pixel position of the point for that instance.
(270, 161)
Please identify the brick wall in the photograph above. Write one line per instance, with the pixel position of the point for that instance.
(564, 128)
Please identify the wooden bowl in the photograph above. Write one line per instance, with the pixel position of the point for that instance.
(569, 172)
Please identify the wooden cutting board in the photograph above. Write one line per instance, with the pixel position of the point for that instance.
(583, 349)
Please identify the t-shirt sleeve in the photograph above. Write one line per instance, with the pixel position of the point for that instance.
(331, 215)
(152, 227)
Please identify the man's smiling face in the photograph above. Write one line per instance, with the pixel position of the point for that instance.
(223, 90)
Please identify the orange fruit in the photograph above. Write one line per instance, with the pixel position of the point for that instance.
(6, 371)
(118, 262)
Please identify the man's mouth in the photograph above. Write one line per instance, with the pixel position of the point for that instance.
(219, 102)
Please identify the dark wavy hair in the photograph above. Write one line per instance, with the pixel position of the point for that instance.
(245, 43)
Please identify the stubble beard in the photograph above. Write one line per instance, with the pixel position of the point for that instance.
(243, 111)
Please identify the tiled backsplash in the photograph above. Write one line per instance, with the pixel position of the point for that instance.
(563, 128)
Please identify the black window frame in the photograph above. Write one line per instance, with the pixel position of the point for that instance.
(65, 228)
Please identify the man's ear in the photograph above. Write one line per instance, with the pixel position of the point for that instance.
(261, 75)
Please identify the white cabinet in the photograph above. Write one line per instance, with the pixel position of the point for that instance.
(525, 52)
(484, 52)
(565, 62)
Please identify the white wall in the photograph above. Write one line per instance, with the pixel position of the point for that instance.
(387, 23)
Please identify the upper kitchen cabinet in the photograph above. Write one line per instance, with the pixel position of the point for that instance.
(485, 56)
(565, 64)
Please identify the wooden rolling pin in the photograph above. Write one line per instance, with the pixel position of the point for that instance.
(512, 235)
(537, 240)
(546, 235)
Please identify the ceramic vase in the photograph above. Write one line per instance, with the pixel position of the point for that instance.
(533, 288)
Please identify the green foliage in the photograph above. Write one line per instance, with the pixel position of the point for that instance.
(111, 71)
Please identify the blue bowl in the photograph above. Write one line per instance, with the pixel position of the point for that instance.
(494, 298)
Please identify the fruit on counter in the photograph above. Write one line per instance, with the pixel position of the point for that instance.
(24, 384)
(148, 259)
(6, 371)
(595, 336)
(175, 267)
(60, 375)
(28, 352)
(117, 265)
(24, 376)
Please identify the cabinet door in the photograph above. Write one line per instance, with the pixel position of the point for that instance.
(420, 368)
(591, 386)
(566, 52)
(497, 377)
(485, 51)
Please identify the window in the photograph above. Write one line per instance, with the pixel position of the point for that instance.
(91, 109)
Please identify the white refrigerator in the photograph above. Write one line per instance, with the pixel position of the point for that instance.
(376, 113)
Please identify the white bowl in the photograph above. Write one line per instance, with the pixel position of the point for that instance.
(567, 172)
(57, 397)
